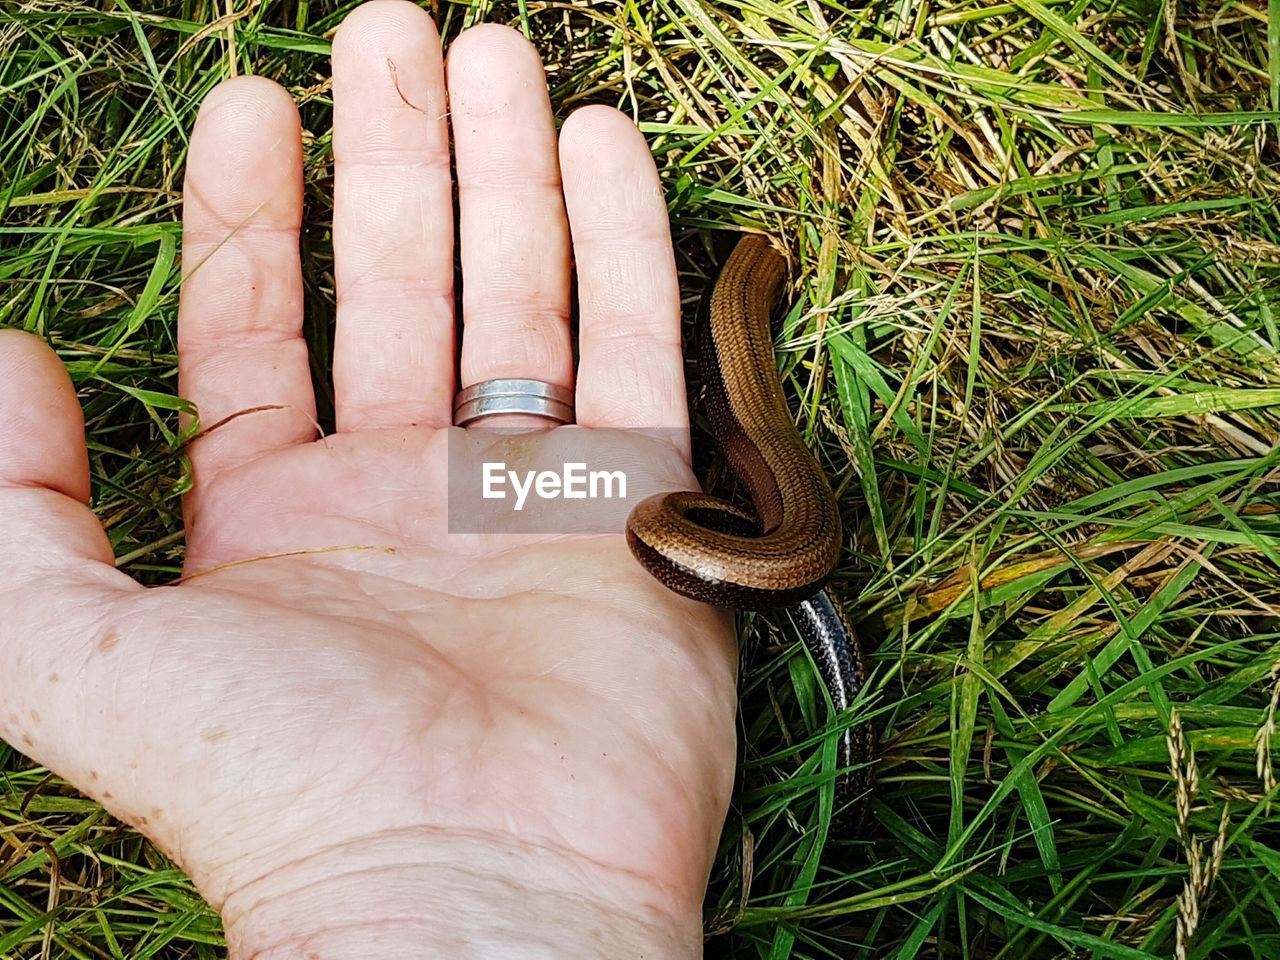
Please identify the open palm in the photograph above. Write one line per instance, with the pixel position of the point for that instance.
(363, 735)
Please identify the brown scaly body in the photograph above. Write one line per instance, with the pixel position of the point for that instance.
(706, 549)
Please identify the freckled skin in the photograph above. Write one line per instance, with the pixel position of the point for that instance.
(334, 648)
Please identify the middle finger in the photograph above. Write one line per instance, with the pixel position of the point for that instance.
(393, 221)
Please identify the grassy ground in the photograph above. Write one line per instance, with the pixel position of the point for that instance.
(1034, 335)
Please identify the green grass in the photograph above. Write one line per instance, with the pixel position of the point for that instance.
(1034, 337)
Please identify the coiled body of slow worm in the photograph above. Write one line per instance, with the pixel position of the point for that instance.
(704, 548)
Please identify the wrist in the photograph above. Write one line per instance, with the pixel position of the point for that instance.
(422, 894)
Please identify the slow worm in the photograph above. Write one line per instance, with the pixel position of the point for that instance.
(780, 556)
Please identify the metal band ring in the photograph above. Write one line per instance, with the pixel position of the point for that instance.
(510, 396)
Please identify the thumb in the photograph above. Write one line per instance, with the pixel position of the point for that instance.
(57, 572)
(44, 467)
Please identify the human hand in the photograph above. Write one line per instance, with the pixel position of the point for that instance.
(359, 734)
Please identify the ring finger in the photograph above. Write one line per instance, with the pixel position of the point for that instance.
(513, 231)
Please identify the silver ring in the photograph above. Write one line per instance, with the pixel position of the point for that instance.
(531, 397)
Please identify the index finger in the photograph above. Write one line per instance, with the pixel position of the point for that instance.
(241, 356)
